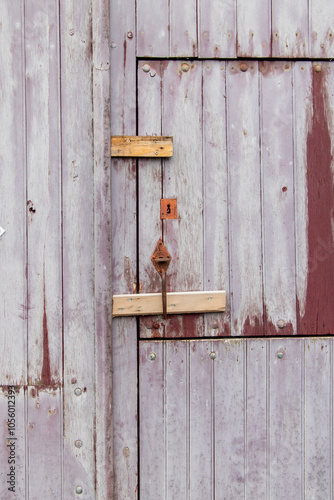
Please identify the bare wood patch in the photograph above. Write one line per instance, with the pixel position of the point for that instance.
(144, 147)
(177, 303)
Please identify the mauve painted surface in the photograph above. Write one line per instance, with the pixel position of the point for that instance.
(124, 250)
(227, 29)
(13, 294)
(245, 420)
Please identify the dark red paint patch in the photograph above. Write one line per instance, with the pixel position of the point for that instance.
(46, 370)
(318, 318)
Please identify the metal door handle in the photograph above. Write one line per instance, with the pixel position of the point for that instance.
(161, 260)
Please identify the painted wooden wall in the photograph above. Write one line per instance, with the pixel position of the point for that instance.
(55, 255)
(253, 174)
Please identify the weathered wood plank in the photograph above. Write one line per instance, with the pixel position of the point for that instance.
(177, 419)
(321, 16)
(215, 191)
(302, 97)
(183, 28)
(45, 442)
(278, 198)
(229, 433)
(13, 294)
(125, 412)
(153, 29)
(11, 449)
(290, 29)
(256, 418)
(183, 237)
(152, 424)
(43, 193)
(242, 96)
(177, 303)
(217, 29)
(103, 259)
(318, 374)
(141, 146)
(124, 248)
(78, 246)
(318, 316)
(253, 28)
(286, 416)
(201, 420)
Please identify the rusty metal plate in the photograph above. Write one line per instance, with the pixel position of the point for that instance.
(161, 258)
(168, 208)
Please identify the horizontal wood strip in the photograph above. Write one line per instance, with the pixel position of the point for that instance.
(177, 303)
(145, 147)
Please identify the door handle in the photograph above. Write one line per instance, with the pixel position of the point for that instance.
(161, 259)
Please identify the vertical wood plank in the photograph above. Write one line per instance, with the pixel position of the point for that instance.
(318, 418)
(13, 450)
(182, 179)
(217, 29)
(152, 420)
(229, 418)
(290, 29)
(278, 198)
(43, 193)
(78, 246)
(183, 28)
(149, 176)
(153, 29)
(13, 294)
(321, 29)
(124, 249)
(45, 443)
(177, 423)
(286, 419)
(254, 28)
(201, 420)
(318, 317)
(302, 97)
(256, 406)
(103, 258)
(215, 192)
(125, 413)
(245, 198)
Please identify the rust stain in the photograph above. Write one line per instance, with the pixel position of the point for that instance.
(319, 312)
(46, 370)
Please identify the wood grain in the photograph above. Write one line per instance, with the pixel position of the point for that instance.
(43, 193)
(135, 146)
(242, 96)
(124, 250)
(277, 161)
(177, 303)
(78, 246)
(102, 250)
(253, 28)
(13, 294)
(290, 29)
(217, 29)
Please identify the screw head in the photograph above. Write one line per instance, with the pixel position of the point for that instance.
(78, 490)
(152, 356)
(213, 355)
(78, 443)
(281, 323)
(129, 34)
(153, 72)
(280, 355)
(78, 391)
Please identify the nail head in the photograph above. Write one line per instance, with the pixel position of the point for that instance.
(152, 356)
(213, 355)
(78, 391)
(78, 490)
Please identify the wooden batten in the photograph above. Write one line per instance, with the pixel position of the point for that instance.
(144, 147)
(145, 304)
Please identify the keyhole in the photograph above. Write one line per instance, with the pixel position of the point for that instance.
(168, 209)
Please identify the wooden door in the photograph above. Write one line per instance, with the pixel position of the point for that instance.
(237, 404)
